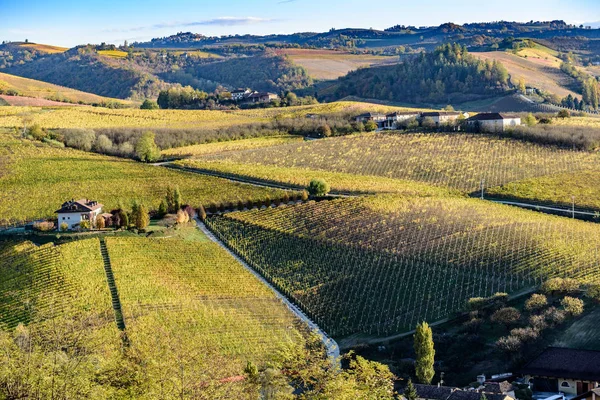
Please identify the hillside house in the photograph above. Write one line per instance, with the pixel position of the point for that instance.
(530, 90)
(240, 94)
(432, 392)
(391, 120)
(570, 371)
(261, 97)
(73, 212)
(493, 122)
(375, 117)
(444, 117)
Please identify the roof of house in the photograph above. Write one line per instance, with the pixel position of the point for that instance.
(441, 113)
(240, 91)
(492, 117)
(587, 394)
(394, 114)
(497, 387)
(432, 392)
(75, 206)
(556, 362)
(370, 115)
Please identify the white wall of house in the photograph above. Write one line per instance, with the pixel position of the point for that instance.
(72, 219)
(567, 386)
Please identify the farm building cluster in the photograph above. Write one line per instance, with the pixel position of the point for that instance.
(247, 96)
(488, 122)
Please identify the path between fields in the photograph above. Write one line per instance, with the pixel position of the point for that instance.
(248, 181)
(333, 350)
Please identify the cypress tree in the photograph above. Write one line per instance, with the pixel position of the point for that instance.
(425, 353)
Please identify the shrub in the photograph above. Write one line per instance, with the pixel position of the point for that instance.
(563, 114)
(525, 334)
(182, 217)
(103, 144)
(149, 105)
(506, 316)
(189, 210)
(370, 126)
(84, 225)
(201, 213)
(572, 306)
(318, 187)
(593, 292)
(43, 226)
(538, 322)
(100, 223)
(64, 226)
(536, 302)
(562, 285)
(36, 132)
(476, 303)
(554, 316)
(304, 195)
(509, 344)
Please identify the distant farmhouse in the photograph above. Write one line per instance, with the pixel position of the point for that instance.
(74, 212)
(375, 117)
(570, 371)
(444, 117)
(493, 122)
(249, 96)
(391, 120)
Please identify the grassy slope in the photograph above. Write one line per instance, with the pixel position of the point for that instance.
(235, 145)
(369, 265)
(38, 89)
(329, 64)
(91, 117)
(38, 178)
(46, 48)
(537, 71)
(189, 304)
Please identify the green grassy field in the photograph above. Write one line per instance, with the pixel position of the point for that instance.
(39, 178)
(582, 334)
(42, 90)
(113, 53)
(378, 265)
(375, 162)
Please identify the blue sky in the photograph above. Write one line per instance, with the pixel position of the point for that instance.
(72, 22)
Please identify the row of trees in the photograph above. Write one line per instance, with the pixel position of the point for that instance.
(589, 86)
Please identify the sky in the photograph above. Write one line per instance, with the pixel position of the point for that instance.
(72, 22)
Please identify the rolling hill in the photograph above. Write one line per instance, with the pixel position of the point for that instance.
(31, 88)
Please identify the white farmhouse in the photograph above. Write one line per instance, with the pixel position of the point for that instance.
(444, 117)
(493, 122)
(392, 120)
(240, 94)
(73, 212)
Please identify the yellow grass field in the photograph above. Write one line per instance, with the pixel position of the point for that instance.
(232, 145)
(93, 117)
(113, 53)
(43, 90)
(46, 48)
(539, 72)
(329, 64)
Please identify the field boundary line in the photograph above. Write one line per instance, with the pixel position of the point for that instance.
(252, 181)
(333, 350)
(112, 286)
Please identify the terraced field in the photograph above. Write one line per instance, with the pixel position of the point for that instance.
(39, 177)
(378, 265)
(453, 161)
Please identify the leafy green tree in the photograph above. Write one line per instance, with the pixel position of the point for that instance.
(202, 212)
(410, 393)
(140, 216)
(163, 209)
(149, 105)
(370, 126)
(177, 199)
(572, 305)
(318, 187)
(536, 302)
(425, 352)
(146, 148)
(100, 223)
(522, 87)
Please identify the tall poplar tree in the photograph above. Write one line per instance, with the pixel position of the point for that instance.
(425, 353)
